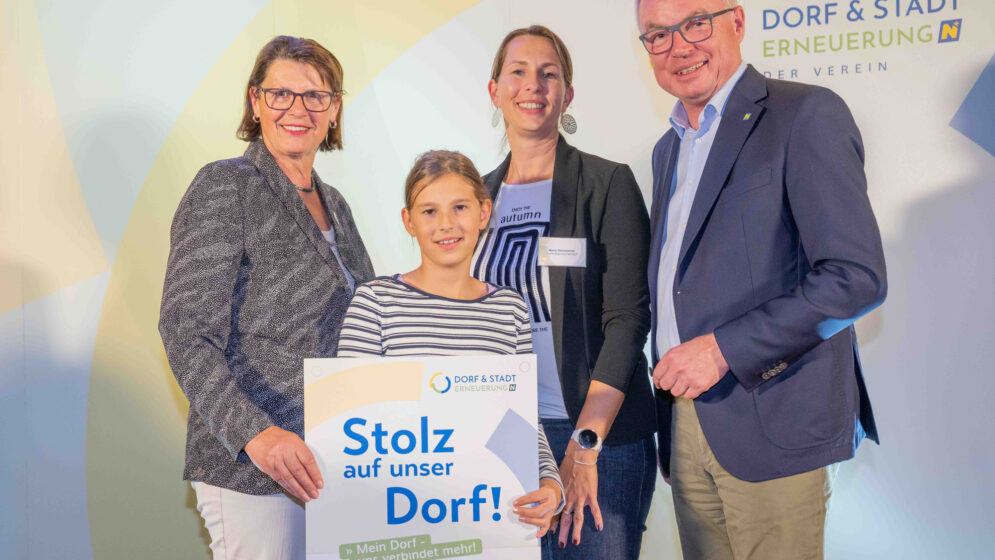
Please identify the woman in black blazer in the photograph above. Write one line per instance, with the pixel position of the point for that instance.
(263, 261)
(570, 232)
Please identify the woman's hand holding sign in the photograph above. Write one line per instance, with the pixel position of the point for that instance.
(285, 457)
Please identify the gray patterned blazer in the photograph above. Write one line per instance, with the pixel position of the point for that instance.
(251, 290)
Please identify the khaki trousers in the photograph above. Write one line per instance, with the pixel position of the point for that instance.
(722, 517)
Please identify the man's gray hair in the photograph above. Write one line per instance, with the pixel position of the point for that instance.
(726, 3)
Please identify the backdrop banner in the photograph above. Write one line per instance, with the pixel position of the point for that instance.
(421, 459)
(113, 106)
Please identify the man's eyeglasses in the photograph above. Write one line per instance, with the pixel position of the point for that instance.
(280, 99)
(694, 29)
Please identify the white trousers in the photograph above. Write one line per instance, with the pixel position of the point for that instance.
(243, 526)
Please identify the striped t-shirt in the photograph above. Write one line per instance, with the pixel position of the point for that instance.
(390, 318)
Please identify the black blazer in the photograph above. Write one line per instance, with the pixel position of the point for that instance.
(600, 313)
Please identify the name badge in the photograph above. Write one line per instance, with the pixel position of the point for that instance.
(562, 251)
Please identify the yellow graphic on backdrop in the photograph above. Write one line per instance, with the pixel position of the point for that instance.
(950, 31)
(47, 238)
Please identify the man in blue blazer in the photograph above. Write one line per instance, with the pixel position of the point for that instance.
(764, 252)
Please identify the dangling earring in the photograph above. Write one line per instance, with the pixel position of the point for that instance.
(497, 117)
(255, 118)
(333, 124)
(568, 122)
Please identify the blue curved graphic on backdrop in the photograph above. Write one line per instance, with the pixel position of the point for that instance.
(976, 116)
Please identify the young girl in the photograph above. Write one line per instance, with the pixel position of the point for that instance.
(438, 308)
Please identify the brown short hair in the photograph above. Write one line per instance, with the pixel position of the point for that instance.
(434, 164)
(537, 31)
(297, 49)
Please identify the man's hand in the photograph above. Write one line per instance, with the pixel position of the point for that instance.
(285, 457)
(691, 368)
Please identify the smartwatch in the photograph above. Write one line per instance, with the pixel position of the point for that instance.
(587, 439)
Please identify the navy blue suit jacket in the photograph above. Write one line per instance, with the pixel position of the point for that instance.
(781, 255)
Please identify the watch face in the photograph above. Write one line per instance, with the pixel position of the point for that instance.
(587, 439)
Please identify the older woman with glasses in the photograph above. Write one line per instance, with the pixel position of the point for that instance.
(264, 258)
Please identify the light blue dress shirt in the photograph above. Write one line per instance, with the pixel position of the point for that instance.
(692, 155)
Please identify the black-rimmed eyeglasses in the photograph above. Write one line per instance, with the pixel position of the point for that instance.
(694, 29)
(281, 99)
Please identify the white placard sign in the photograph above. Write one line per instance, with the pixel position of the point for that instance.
(421, 458)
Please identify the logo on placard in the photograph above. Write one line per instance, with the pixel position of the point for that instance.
(487, 383)
(949, 31)
(436, 385)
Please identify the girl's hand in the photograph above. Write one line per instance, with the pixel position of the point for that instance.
(581, 484)
(546, 499)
